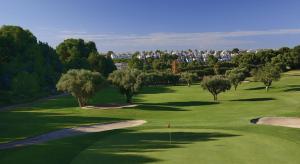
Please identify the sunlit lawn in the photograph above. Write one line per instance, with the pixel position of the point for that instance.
(202, 131)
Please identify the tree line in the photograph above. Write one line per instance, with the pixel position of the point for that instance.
(30, 69)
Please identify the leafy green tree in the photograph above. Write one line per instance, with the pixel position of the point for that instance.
(136, 63)
(160, 65)
(189, 78)
(49, 68)
(21, 56)
(215, 85)
(235, 51)
(128, 81)
(267, 74)
(212, 60)
(284, 50)
(296, 56)
(25, 84)
(101, 63)
(73, 53)
(82, 84)
(235, 76)
(110, 65)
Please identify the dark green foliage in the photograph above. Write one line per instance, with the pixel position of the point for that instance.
(235, 50)
(110, 65)
(135, 63)
(160, 78)
(206, 71)
(101, 63)
(21, 56)
(295, 57)
(73, 53)
(284, 58)
(212, 60)
(25, 84)
(267, 74)
(157, 64)
(82, 84)
(235, 76)
(128, 81)
(215, 85)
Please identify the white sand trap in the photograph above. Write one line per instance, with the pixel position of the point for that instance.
(292, 122)
(63, 133)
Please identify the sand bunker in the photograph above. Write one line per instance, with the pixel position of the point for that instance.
(63, 133)
(292, 122)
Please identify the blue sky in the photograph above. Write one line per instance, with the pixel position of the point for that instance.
(128, 25)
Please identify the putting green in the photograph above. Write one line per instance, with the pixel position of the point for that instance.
(189, 146)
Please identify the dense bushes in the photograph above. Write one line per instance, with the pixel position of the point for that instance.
(160, 78)
(78, 54)
(28, 68)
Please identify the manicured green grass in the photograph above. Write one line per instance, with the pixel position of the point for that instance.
(202, 131)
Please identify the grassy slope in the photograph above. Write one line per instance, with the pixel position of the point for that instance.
(202, 131)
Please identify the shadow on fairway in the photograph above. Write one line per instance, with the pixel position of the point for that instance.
(188, 103)
(292, 88)
(173, 106)
(115, 150)
(158, 108)
(156, 89)
(36, 123)
(256, 99)
(118, 146)
(55, 103)
(256, 88)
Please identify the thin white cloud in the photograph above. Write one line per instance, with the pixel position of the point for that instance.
(206, 40)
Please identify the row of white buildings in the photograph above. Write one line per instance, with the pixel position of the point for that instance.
(187, 56)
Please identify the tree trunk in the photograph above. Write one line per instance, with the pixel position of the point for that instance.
(129, 98)
(235, 87)
(80, 102)
(215, 97)
(267, 88)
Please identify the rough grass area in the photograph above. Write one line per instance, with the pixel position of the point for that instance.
(202, 131)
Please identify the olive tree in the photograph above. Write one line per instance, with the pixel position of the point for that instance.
(235, 76)
(215, 85)
(80, 83)
(128, 81)
(267, 74)
(188, 77)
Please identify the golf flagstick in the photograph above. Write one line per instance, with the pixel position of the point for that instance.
(170, 135)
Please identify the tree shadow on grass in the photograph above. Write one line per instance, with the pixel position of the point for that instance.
(256, 88)
(55, 103)
(188, 103)
(22, 124)
(159, 108)
(109, 151)
(173, 106)
(256, 99)
(118, 146)
(156, 89)
(292, 88)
